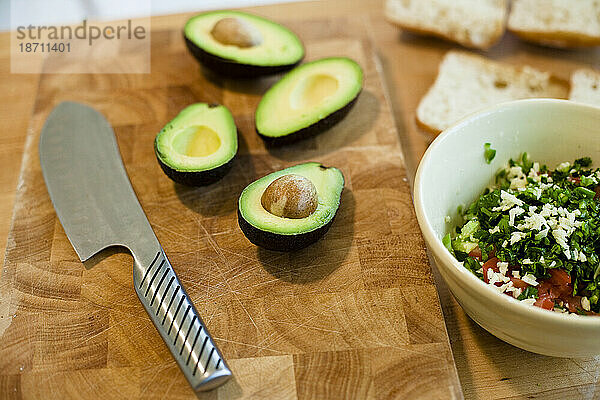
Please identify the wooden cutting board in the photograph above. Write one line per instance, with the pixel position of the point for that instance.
(355, 315)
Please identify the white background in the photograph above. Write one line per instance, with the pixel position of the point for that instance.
(45, 12)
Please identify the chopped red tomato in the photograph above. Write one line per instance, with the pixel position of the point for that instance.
(572, 303)
(574, 179)
(559, 277)
(554, 291)
(544, 302)
(544, 288)
(518, 283)
(563, 291)
(491, 263)
(475, 253)
(557, 287)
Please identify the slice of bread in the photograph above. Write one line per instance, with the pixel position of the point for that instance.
(467, 83)
(556, 23)
(472, 23)
(585, 87)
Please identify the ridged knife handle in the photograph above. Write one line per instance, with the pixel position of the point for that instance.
(179, 324)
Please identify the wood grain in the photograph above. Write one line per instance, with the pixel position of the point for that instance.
(17, 103)
(355, 315)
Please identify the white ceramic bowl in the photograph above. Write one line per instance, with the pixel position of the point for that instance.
(453, 172)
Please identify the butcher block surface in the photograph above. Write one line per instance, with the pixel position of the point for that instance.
(355, 315)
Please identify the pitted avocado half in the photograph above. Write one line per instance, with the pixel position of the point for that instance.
(292, 208)
(308, 100)
(237, 44)
(198, 146)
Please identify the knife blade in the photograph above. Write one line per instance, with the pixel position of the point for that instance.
(98, 208)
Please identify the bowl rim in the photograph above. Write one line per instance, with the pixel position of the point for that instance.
(482, 289)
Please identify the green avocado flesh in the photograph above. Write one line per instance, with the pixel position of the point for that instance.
(278, 45)
(307, 95)
(201, 138)
(328, 182)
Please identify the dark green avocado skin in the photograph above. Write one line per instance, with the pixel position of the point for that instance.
(274, 241)
(197, 178)
(311, 130)
(231, 69)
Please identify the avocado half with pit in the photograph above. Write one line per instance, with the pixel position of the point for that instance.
(198, 146)
(237, 44)
(292, 208)
(308, 100)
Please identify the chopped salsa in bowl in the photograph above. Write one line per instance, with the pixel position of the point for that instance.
(535, 235)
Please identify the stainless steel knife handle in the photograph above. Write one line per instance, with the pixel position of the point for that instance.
(179, 324)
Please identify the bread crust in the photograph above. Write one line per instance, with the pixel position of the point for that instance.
(560, 39)
(426, 128)
(420, 30)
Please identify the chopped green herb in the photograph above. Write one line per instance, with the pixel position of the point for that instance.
(488, 152)
(447, 242)
(472, 265)
(585, 192)
(526, 163)
(535, 222)
(529, 292)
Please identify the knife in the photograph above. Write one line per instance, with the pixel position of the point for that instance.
(98, 208)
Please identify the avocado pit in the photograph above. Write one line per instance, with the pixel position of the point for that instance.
(264, 215)
(290, 196)
(236, 32)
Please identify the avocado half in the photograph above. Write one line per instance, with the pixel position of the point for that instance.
(286, 234)
(279, 48)
(308, 100)
(198, 146)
